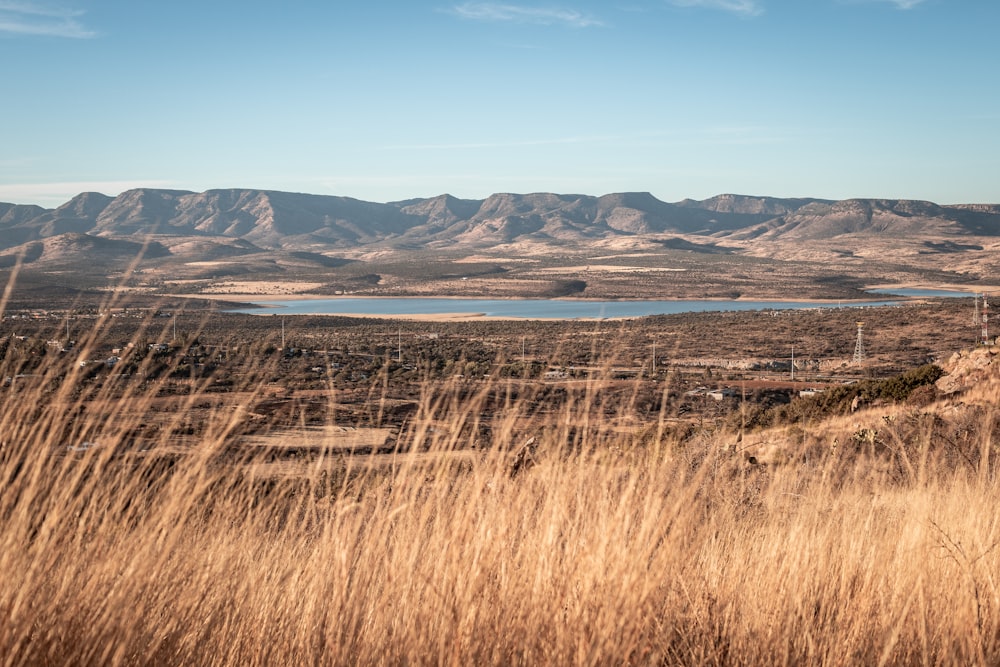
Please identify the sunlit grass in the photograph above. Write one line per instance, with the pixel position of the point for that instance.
(605, 545)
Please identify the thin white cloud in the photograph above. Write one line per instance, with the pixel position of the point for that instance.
(716, 135)
(475, 145)
(898, 4)
(55, 194)
(505, 13)
(741, 7)
(905, 4)
(31, 18)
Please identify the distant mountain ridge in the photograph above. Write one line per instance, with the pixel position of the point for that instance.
(244, 220)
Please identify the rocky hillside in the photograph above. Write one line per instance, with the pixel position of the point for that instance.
(239, 221)
(968, 369)
(823, 220)
(69, 248)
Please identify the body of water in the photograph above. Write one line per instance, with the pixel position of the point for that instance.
(529, 308)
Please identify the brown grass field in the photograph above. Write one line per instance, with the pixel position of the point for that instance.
(590, 544)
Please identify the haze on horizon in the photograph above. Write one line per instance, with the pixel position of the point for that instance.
(391, 100)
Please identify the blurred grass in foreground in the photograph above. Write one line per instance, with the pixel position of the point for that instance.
(601, 546)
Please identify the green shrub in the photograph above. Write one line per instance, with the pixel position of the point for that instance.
(841, 399)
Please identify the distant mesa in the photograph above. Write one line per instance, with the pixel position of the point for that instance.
(234, 222)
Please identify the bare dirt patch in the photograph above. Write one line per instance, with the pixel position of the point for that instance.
(265, 287)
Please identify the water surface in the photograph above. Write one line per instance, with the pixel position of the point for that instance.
(530, 308)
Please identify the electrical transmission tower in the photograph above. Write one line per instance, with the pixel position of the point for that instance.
(859, 346)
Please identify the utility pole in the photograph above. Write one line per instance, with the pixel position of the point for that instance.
(282, 333)
(399, 346)
(986, 327)
(793, 363)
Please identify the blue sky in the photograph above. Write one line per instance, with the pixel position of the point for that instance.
(391, 100)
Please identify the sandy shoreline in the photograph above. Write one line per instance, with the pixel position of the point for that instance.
(277, 300)
(444, 317)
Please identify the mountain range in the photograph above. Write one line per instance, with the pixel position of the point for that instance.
(232, 222)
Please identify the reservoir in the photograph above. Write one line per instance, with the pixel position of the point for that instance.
(528, 308)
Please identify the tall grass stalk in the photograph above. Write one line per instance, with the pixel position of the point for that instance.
(615, 547)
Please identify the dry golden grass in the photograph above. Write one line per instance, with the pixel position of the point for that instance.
(610, 549)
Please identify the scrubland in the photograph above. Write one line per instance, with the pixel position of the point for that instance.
(562, 538)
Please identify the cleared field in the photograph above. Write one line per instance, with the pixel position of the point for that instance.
(323, 438)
